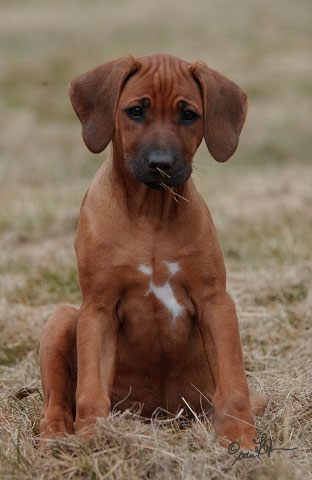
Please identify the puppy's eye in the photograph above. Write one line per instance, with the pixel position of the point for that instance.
(135, 112)
(188, 115)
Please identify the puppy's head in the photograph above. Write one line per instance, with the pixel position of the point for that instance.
(157, 109)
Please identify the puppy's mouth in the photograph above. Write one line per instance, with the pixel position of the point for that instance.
(154, 186)
(165, 184)
(159, 179)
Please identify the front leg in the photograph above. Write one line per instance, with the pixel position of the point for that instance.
(233, 418)
(96, 351)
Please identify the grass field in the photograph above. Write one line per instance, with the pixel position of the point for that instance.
(261, 202)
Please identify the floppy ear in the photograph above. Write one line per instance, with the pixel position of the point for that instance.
(225, 109)
(94, 97)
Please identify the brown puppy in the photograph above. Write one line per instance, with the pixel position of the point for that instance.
(156, 320)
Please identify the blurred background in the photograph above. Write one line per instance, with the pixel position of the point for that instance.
(260, 200)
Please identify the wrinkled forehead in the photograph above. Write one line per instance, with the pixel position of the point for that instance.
(162, 78)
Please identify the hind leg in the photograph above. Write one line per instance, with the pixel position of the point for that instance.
(58, 365)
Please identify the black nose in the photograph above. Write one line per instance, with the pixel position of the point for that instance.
(160, 160)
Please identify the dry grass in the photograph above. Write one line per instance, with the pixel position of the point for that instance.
(261, 203)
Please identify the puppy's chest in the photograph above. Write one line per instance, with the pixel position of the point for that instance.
(157, 296)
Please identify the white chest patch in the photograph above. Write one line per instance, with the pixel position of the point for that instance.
(164, 293)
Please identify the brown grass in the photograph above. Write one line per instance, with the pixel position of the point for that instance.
(261, 202)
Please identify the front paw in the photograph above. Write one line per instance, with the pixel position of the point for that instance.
(233, 421)
(88, 410)
(231, 430)
(57, 421)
